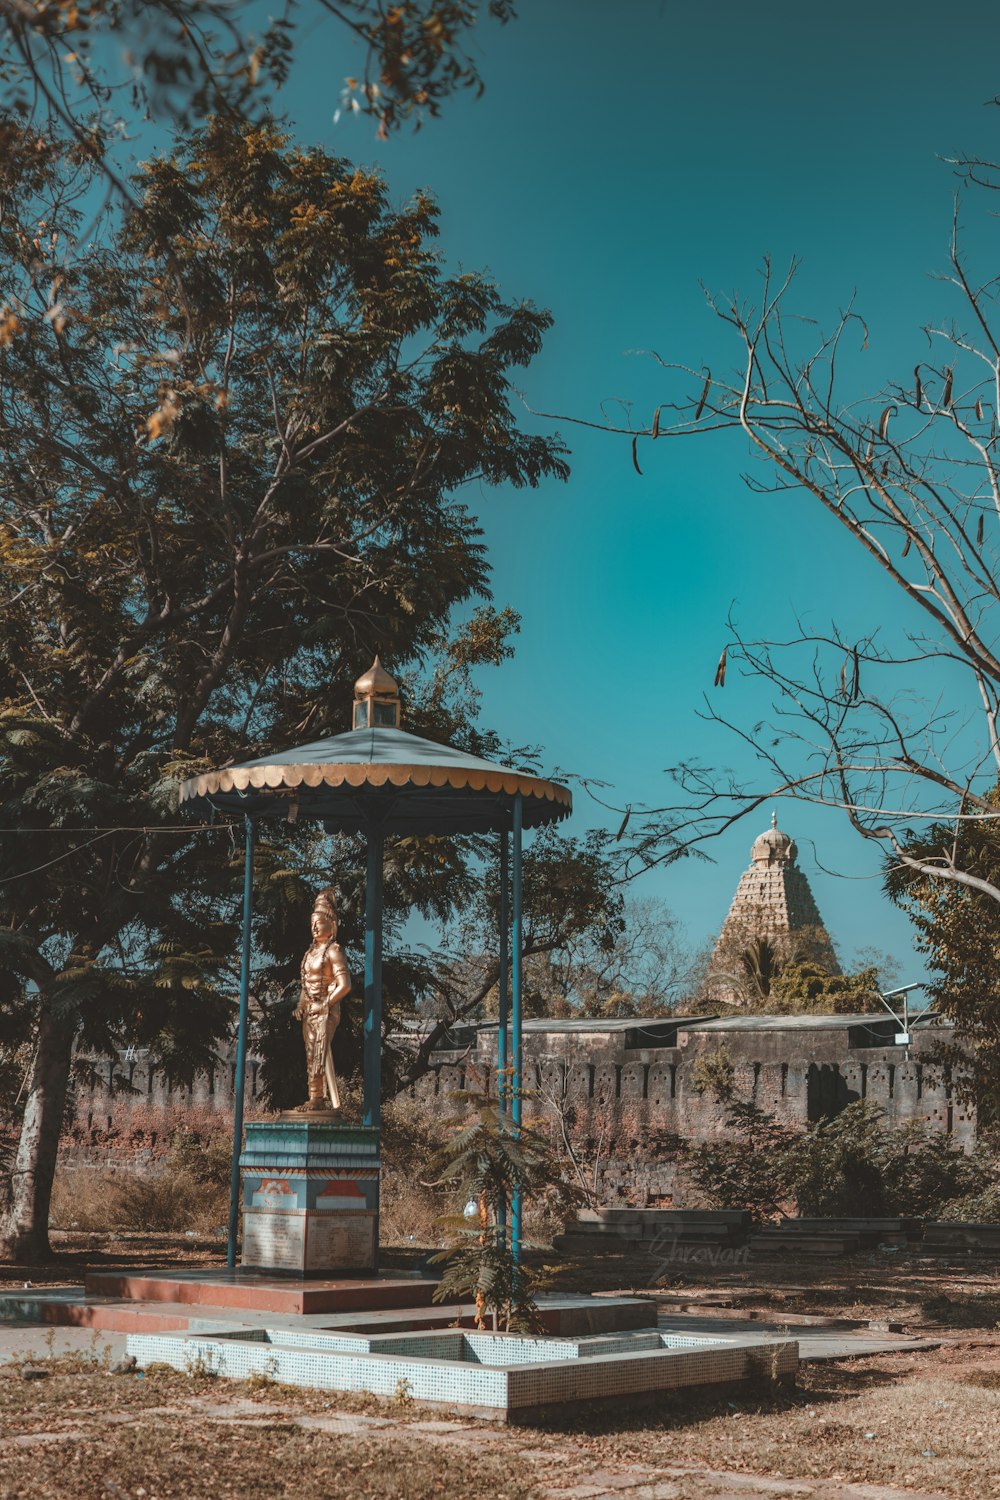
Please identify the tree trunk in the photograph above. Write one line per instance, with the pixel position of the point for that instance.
(24, 1227)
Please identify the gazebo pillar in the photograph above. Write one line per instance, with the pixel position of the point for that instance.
(373, 979)
(503, 997)
(516, 999)
(503, 1006)
(239, 1083)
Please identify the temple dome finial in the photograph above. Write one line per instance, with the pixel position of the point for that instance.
(773, 846)
(376, 699)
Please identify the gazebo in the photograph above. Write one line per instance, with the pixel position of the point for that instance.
(379, 780)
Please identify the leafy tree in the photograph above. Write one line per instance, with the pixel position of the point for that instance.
(97, 68)
(768, 983)
(851, 1165)
(838, 1167)
(848, 1166)
(808, 986)
(958, 931)
(233, 438)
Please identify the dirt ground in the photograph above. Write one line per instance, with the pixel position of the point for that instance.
(922, 1423)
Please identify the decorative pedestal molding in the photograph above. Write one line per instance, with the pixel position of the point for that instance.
(310, 1197)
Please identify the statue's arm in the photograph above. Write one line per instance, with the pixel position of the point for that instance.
(340, 984)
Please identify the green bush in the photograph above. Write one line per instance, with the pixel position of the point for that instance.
(849, 1166)
(838, 1167)
(751, 1170)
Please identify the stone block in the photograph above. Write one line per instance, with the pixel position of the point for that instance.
(310, 1197)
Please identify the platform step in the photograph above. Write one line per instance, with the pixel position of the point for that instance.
(961, 1236)
(240, 1291)
(777, 1242)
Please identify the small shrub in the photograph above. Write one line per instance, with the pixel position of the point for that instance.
(928, 1179)
(484, 1162)
(96, 1200)
(974, 1208)
(838, 1168)
(715, 1073)
(751, 1169)
(206, 1161)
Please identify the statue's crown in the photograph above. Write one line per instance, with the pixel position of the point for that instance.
(326, 904)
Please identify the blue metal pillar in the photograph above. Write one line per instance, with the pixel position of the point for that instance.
(503, 1006)
(503, 1009)
(515, 1006)
(373, 980)
(241, 1043)
(372, 1103)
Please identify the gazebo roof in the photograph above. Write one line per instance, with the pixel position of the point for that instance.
(403, 782)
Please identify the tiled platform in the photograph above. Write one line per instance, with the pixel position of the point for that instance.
(502, 1376)
(74, 1307)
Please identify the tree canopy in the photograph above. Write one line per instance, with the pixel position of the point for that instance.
(96, 69)
(235, 436)
(958, 932)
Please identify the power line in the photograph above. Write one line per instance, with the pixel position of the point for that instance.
(120, 828)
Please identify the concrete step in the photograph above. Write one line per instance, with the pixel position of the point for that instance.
(718, 1216)
(650, 1234)
(858, 1225)
(567, 1315)
(776, 1242)
(961, 1236)
(244, 1291)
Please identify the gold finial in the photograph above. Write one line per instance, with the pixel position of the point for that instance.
(376, 699)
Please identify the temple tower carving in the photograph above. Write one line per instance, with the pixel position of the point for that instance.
(773, 902)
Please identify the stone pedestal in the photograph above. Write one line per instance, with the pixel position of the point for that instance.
(310, 1197)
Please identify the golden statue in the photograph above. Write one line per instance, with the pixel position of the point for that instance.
(325, 983)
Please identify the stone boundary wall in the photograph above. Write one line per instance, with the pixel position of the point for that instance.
(623, 1101)
(134, 1120)
(628, 1103)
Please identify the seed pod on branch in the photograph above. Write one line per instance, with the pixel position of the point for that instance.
(704, 395)
(720, 671)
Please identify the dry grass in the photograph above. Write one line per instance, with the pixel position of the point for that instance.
(926, 1422)
(916, 1422)
(99, 1200)
(82, 1435)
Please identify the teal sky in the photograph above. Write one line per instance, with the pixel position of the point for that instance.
(621, 155)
